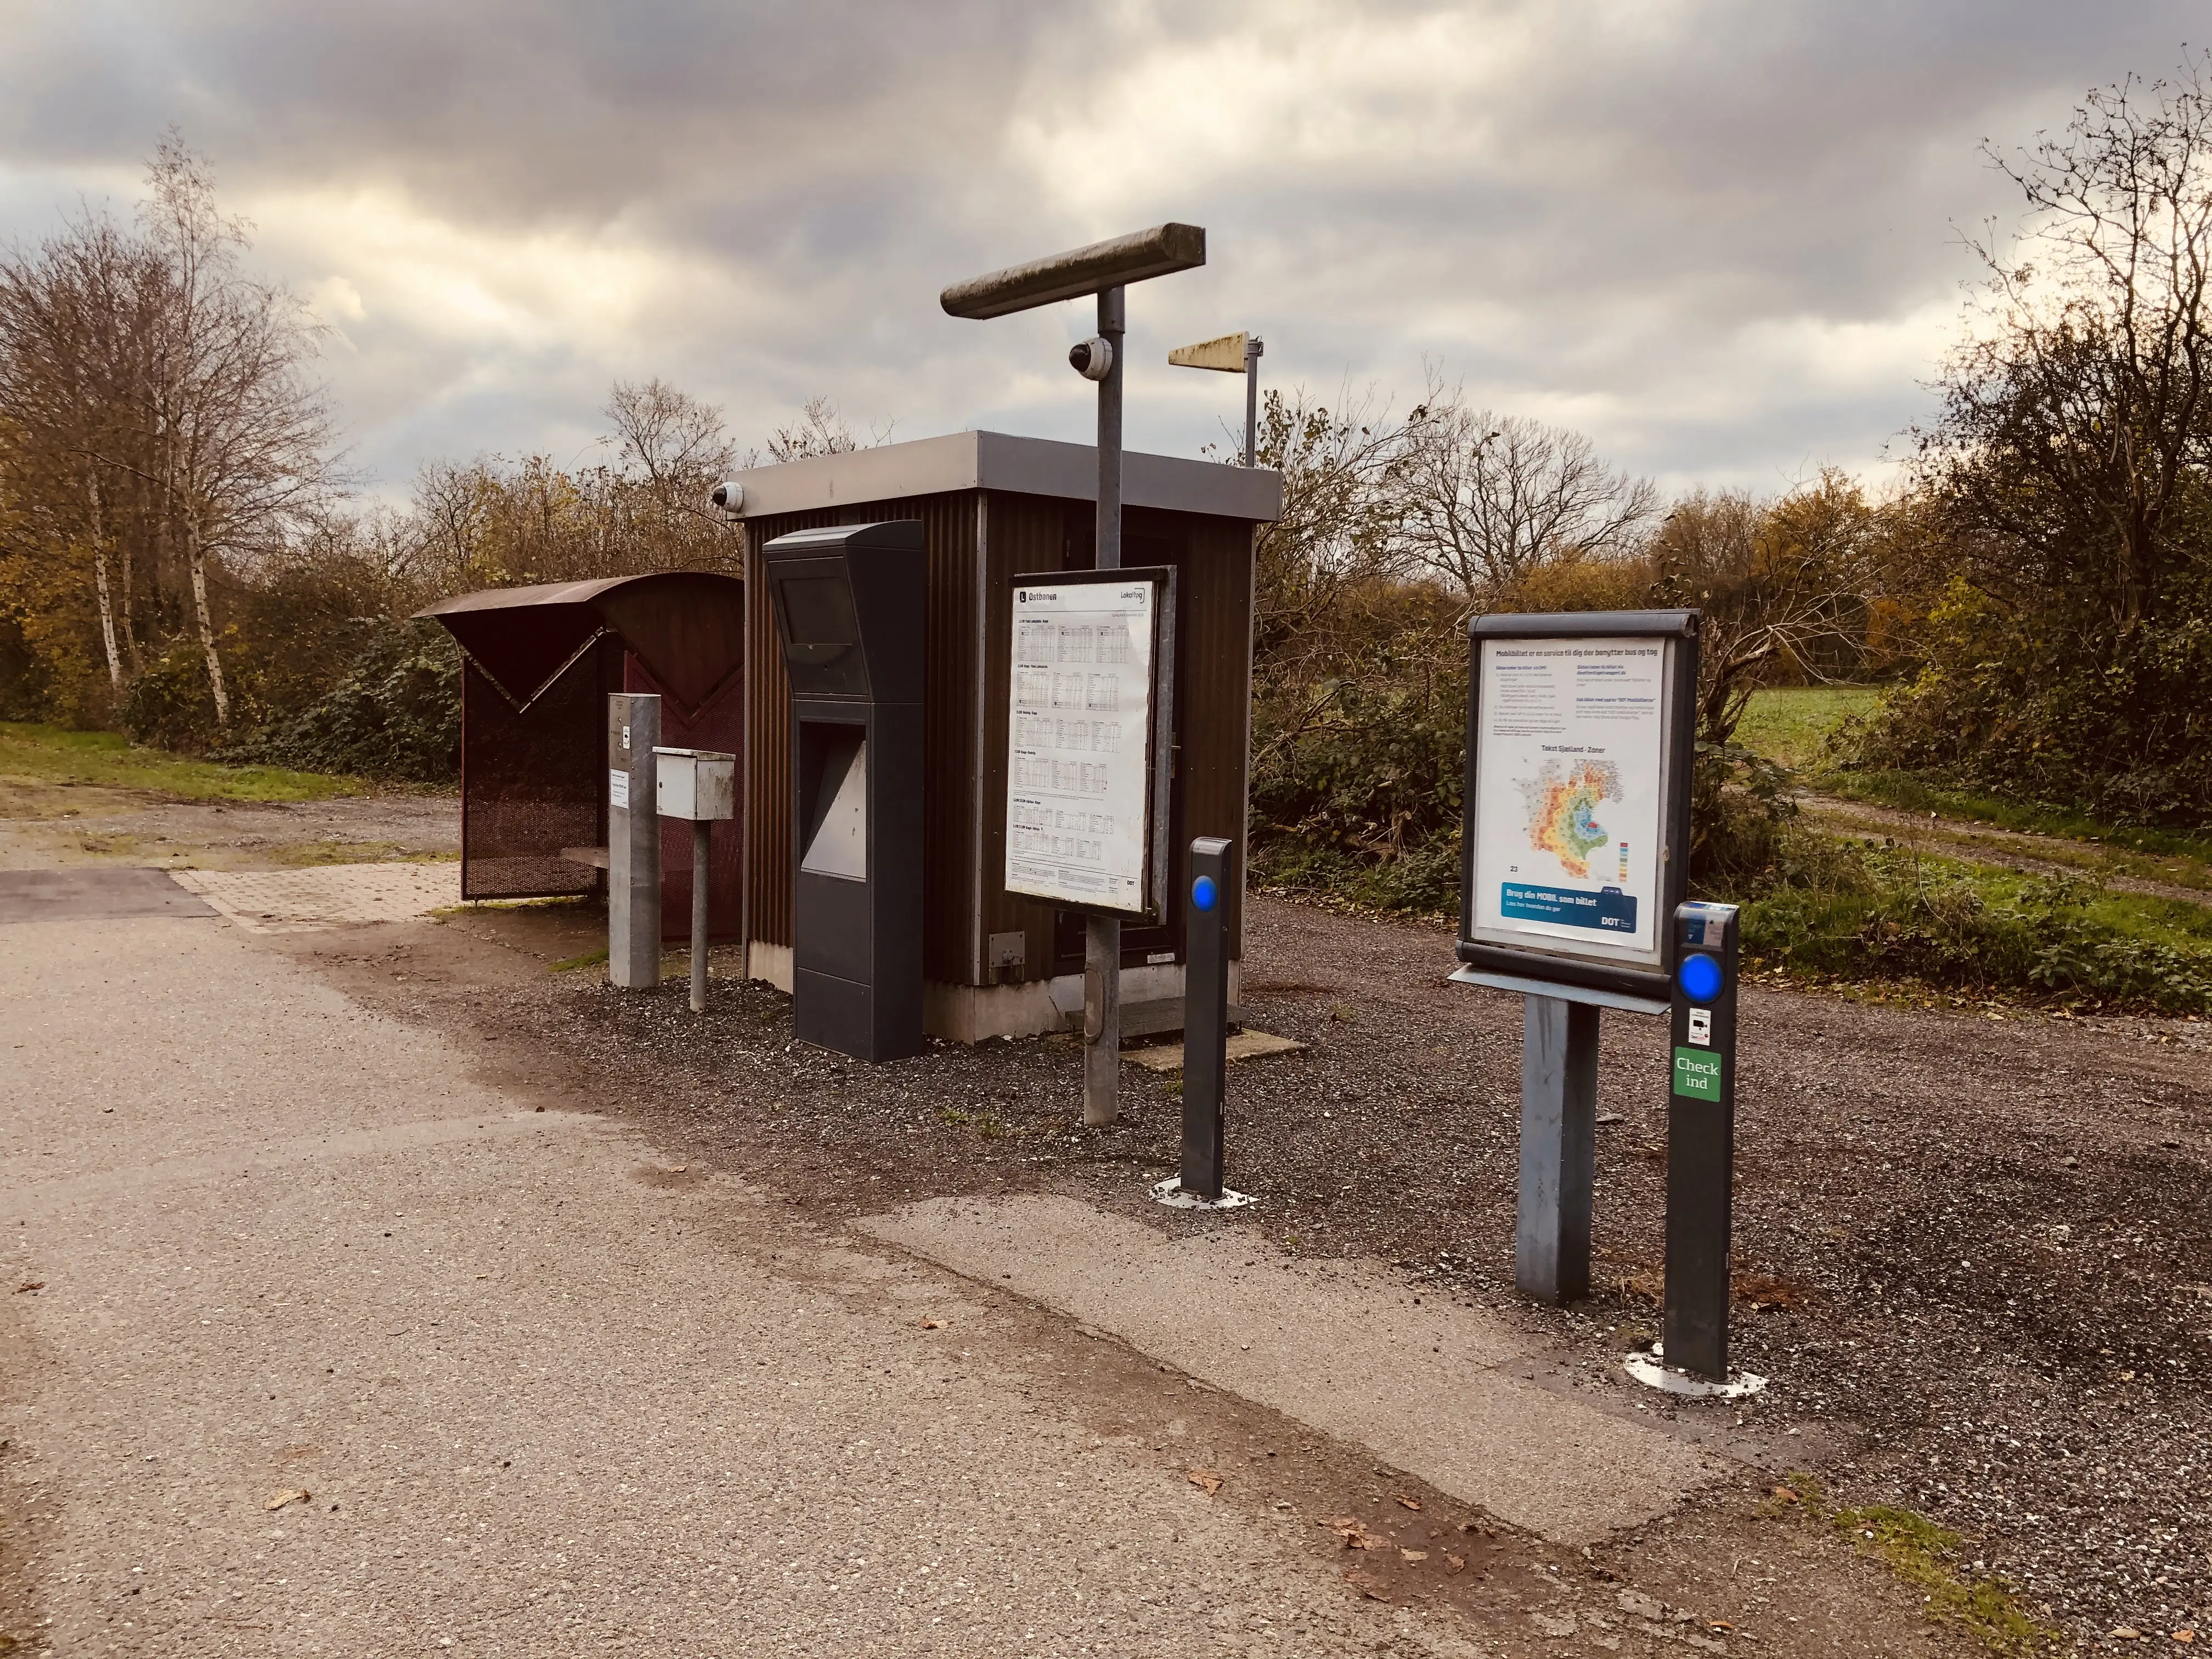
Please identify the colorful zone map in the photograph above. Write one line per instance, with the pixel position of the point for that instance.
(1563, 811)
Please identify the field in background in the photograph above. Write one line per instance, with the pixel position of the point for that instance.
(50, 755)
(1790, 724)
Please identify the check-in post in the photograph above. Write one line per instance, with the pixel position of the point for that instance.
(1580, 734)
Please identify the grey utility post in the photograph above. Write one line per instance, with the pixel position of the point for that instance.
(633, 843)
(1104, 269)
(1559, 1149)
(1102, 935)
(1205, 1017)
(699, 784)
(1252, 348)
(1232, 354)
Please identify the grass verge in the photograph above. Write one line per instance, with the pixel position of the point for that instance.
(54, 755)
(1929, 1557)
(1896, 914)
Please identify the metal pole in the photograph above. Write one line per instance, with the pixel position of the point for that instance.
(633, 843)
(1102, 935)
(1701, 1141)
(1559, 1150)
(1254, 347)
(702, 830)
(1205, 1017)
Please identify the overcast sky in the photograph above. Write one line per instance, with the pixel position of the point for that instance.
(1721, 238)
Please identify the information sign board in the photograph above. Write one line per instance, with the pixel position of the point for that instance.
(1578, 794)
(1087, 692)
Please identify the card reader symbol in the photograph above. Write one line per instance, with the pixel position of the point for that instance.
(1701, 1027)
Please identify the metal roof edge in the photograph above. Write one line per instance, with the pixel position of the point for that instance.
(1018, 466)
(543, 593)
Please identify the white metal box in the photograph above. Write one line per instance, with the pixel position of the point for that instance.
(694, 783)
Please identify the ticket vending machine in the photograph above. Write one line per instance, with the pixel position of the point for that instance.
(848, 612)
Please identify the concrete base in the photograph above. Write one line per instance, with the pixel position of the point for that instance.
(971, 1013)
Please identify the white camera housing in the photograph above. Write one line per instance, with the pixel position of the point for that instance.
(729, 498)
(1093, 360)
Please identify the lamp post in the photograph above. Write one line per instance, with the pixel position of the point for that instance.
(1104, 269)
(1231, 354)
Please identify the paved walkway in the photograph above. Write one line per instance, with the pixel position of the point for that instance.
(325, 1349)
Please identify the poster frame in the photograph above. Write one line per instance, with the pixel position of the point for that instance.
(1560, 964)
(1159, 740)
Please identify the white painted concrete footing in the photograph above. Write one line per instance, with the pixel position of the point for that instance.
(1171, 1192)
(1649, 1368)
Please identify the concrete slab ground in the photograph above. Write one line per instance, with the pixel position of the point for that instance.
(305, 901)
(544, 1392)
(325, 1329)
(1345, 1348)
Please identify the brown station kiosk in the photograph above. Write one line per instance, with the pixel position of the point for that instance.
(994, 507)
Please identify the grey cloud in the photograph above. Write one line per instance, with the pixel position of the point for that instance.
(1666, 203)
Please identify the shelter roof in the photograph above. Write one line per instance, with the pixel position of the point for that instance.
(687, 627)
(998, 460)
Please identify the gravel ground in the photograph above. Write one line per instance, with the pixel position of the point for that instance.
(1973, 1249)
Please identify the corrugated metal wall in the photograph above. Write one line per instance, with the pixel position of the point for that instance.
(977, 542)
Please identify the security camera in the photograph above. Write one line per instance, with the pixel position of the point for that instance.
(729, 498)
(1093, 360)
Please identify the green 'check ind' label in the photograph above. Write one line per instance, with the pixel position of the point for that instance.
(1698, 1073)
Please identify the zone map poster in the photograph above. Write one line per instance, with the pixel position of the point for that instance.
(1569, 813)
(1079, 735)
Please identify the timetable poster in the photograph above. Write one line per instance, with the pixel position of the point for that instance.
(1079, 771)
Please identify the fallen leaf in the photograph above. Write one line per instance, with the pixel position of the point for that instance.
(278, 1500)
(932, 1324)
(1373, 1588)
(35, 1284)
(1719, 1624)
(1789, 1494)
(1206, 1480)
(1456, 1563)
(1410, 1502)
(2184, 1636)
(1355, 1536)
(2125, 1633)
(1413, 1555)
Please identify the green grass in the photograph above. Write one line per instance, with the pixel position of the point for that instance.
(589, 959)
(1961, 925)
(1927, 1557)
(1789, 724)
(50, 755)
(1909, 793)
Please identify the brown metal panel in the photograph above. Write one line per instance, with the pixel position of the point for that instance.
(1214, 598)
(1028, 534)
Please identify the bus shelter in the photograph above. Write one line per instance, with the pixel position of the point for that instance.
(540, 662)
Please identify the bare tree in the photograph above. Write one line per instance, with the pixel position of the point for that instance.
(2078, 418)
(243, 433)
(73, 335)
(669, 435)
(820, 430)
(1487, 498)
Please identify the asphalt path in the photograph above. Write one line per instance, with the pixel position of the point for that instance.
(332, 1350)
